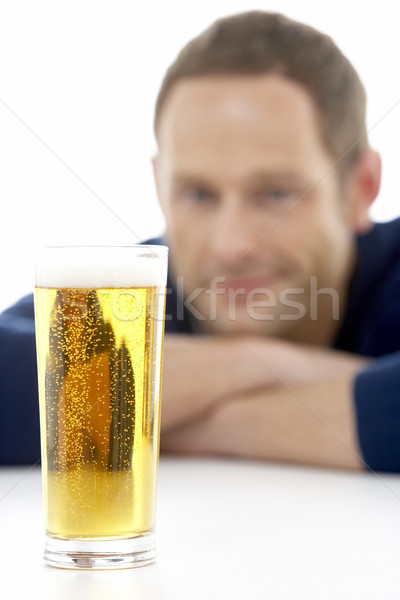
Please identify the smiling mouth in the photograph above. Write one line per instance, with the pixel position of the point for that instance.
(248, 284)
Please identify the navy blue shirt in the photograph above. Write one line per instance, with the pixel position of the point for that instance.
(371, 327)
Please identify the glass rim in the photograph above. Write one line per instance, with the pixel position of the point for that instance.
(162, 247)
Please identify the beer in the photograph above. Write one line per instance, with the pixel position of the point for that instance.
(99, 358)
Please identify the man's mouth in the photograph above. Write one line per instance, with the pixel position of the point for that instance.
(247, 283)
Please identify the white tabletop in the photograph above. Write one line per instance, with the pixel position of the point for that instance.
(227, 529)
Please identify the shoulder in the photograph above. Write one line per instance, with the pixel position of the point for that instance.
(372, 322)
(20, 315)
(381, 243)
(379, 263)
(157, 241)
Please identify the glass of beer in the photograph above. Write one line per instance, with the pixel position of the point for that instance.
(99, 327)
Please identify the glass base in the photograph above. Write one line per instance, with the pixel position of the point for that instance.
(102, 553)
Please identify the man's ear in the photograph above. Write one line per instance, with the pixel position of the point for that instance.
(363, 187)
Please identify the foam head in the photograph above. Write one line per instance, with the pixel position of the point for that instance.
(100, 266)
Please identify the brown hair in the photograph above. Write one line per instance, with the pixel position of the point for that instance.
(259, 42)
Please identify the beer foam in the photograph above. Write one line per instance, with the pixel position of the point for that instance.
(101, 267)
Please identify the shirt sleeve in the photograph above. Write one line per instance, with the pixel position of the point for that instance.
(19, 415)
(377, 403)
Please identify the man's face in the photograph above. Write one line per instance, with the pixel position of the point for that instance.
(252, 203)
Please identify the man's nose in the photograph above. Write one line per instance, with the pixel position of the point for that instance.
(232, 234)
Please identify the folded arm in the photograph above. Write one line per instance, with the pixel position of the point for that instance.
(203, 372)
(312, 424)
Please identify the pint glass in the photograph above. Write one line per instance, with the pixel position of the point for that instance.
(99, 327)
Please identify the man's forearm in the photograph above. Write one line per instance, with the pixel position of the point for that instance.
(310, 424)
(201, 372)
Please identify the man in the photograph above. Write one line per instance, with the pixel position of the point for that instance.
(266, 177)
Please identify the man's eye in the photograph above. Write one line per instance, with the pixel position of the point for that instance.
(276, 195)
(198, 195)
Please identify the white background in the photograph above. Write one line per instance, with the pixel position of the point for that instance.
(78, 81)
